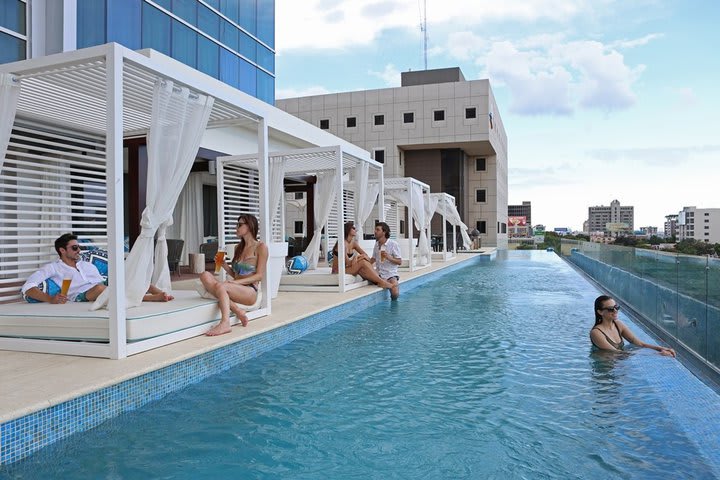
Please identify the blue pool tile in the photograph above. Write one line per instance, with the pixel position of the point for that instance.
(21, 437)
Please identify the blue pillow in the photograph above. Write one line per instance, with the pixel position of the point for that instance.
(99, 258)
(48, 286)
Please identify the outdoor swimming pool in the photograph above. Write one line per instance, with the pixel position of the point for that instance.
(485, 373)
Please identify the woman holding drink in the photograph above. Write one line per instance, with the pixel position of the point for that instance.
(246, 271)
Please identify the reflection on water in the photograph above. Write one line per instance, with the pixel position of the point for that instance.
(483, 374)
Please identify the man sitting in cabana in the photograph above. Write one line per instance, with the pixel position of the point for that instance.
(71, 279)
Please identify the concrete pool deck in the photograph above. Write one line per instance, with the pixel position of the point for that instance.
(32, 382)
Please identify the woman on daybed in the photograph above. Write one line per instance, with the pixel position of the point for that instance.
(357, 261)
(246, 271)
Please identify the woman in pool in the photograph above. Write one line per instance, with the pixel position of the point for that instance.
(609, 332)
(357, 261)
(246, 271)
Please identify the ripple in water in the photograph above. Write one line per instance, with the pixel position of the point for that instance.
(486, 373)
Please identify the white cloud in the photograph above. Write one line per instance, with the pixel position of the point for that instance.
(537, 86)
(604, 80)
(390, 75)
(322, 24)
(636, 42)
(547, 74)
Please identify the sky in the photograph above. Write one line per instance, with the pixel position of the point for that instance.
(600, 99)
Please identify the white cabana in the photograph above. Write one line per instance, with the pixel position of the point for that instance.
(410, 192)
(341, 176)
(62, 171)
(444, 205)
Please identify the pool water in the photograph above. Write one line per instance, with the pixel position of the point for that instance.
(485, 373)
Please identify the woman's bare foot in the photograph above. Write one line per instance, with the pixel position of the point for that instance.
(239, 313)
(220, 329)
(157, 297)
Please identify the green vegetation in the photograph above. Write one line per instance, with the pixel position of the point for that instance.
(688, 247)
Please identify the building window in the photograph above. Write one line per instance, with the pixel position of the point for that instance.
(481, 226)
(503, 228)
(299, 227)
(439, 115)
(470, 112)
(299, 195)
(480, 165)
(324, 124)
(379, 155)
(402, 227)
(379, 120)
(481, 195)
(351, 122)
(408, 117)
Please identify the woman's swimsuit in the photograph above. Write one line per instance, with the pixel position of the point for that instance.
(616, 345)
(244, 267)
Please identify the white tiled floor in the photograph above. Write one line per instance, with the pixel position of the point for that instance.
(33, 381)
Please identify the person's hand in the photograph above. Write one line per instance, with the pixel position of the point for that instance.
(59, 298)
(667, 352)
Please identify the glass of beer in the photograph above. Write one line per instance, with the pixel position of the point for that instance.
(383, 253)
(219, 260)
(65, 286)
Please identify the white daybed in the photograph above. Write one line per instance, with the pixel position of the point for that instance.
(75, 321)
(319, 280)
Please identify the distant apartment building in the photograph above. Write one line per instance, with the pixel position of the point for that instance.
(524, 210)
(649, 231)
(702, 224)
(436, 127)
(671, 225)
(612, 220)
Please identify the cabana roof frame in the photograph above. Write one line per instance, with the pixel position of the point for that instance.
(106, 92)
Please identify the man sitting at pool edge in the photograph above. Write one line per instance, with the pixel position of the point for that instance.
(387, 257)
(86, 282)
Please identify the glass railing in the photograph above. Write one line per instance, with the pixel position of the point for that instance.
(679, 294)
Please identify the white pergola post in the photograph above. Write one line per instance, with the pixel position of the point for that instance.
(116, 250)
(341, 220)
(411, 225)
(264, 214)
(381, 195)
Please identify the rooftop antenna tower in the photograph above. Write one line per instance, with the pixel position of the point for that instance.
(423, 28)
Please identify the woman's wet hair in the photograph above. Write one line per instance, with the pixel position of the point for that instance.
(252, 223)
(348, 226)
(598, 306)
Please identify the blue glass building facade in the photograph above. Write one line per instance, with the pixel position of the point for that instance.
(13, 30)
(231, 40)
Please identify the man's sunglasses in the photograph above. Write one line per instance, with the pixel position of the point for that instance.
(74, 248)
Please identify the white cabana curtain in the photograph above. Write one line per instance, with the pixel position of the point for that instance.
(449, 210)
(365, 197)
(9, 93)
(419, 218)
(277, 178)
(430, 204)
(179, 119)
(189, 215)
(324, 199)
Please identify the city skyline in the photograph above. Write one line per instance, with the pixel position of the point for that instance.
(600, 101)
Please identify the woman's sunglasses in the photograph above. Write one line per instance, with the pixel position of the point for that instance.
(616, 308)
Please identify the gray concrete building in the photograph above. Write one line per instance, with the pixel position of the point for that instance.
(701, 224)
(437, 127)
(612, 220)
